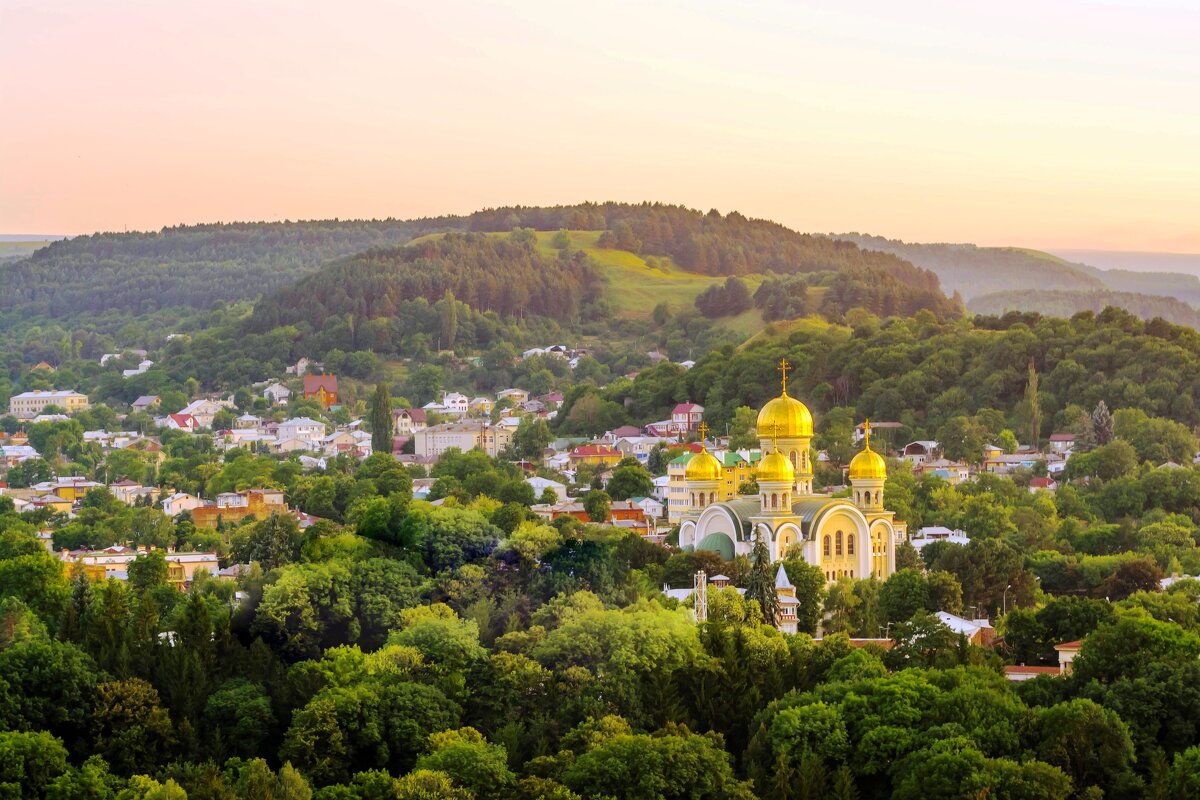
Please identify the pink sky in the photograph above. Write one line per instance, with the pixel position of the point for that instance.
(1050, 124)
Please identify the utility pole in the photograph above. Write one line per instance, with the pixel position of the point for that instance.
(701, 594)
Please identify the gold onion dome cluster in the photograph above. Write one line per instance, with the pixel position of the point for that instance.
(775, 467)
(703, 466)
(785, 417)
(868, 465)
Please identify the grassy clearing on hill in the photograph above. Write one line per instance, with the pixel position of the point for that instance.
(636, 288)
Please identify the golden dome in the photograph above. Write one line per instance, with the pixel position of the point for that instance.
(867, 465)
(785, 417)
(775, 467)
(703, 467)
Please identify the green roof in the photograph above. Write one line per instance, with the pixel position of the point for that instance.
(682, 459)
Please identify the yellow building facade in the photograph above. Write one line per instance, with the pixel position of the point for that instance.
(852, 537)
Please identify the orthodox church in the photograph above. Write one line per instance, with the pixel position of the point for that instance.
(852, 537)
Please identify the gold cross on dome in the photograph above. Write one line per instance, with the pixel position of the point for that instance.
(784, 368)
(867, 433)
(703, 432)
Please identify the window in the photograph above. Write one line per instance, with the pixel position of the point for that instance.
(839, 543)
(850, 545)
(827, 545)
(774, 500)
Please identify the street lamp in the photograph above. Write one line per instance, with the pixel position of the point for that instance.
(1006, 588)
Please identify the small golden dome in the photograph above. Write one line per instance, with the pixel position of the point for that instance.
(868, 464)
(785, 417)
(703, 466)
(775, 467)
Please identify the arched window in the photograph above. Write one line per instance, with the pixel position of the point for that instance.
(839, 543)
(786, 499)
(878, 498)
(827, 545)
(693, 496)
(712, 497)
(774, 500)
(850, 544)
(795, 463)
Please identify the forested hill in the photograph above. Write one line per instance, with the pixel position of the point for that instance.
(972, 271)
(190, 266)
(506, 275)
(1067, 304)
(707, 243)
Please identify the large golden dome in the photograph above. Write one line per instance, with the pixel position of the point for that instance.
(775, 467)
(703, 466)
(785, 417)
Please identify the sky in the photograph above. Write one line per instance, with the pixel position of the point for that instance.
(1043, 124)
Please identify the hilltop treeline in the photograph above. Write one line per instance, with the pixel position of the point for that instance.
(504, 275)
(190, 266)
(1066, 303)
(710, 243)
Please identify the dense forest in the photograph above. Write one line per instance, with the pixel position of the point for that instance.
(503, 275)
(469, 651)
(1067, 303)
(190, 266)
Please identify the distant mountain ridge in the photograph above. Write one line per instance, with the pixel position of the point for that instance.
(1059, 303)
(973, 271)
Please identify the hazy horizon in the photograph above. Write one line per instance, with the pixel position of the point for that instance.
(1055, 125)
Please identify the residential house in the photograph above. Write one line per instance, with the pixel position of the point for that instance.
(515, 396)
(1066, 655)
(434, 440)
(977, 631)
(639, 447)
(53, 502)
(952, 472)
(623, 432)
(235, 506)
(113, 562)
(14, 454)
(181, 422)
(652, 507)
(1037, 484)
(131, 492)
(277, 394)
(481, 406)
(302, 367)
(938, 533)
(145, 402)
(247, 422)
(177, 503)
(1062, 442)
(686, 417)
(340, 442)
(322, 388)
(920, 451)
(540, 485)
(456, 403)
(598, 455)
(28, 405)
(302, 428)
(407, 421)
(677, 494)
(141, 368)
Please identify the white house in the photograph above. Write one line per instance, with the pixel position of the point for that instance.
(277, 394)
(456, 403)
(652, 507)
(938, 533)
(179, 502)
(301, 428)
(542, 484)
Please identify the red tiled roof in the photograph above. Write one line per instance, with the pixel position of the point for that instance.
(686, 408)
(1021, 669)
(1062, 437)
(313, 383)
(594, 450)
(184, 420)
(1075, 645)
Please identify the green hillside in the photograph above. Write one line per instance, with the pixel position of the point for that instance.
(637, 285)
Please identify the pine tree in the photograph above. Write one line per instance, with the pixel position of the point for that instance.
(1102, 424)
(1035, 411)
(381, 420)
(760, 585)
